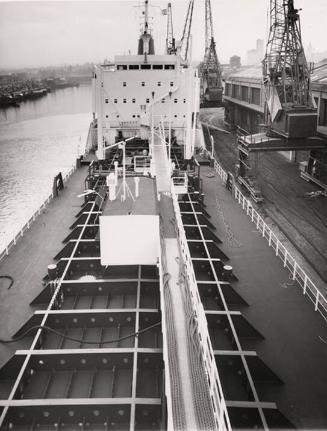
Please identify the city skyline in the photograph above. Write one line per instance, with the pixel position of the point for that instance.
(36, 34)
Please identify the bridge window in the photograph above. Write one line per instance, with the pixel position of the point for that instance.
(169, 66)
(122, 67)
(107, 116)
(157, 66)
(175, 100)
(143, 84)
(115, 101)
(163, 100)
(124, 84)
(124, 100)
(133, 116)
(159, 84)
(106, 100)
(147, 101)
(145, 66)
(133, 100)
(175, 115)
(171, 84)
(134, 67)
(184, 100)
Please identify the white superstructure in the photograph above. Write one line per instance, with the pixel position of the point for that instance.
(144, 90)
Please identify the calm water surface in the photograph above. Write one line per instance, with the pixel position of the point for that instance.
(38, 140)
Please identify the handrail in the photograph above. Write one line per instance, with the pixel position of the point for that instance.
(12, 242)
(141, 163)
(297, 272)
(169, 359)
(213, 380)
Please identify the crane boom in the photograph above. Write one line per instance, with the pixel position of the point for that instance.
(185, 41)
(208, 26)
(285, 70)
(170, 41)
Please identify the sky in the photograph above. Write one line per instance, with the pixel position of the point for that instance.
(70, 32)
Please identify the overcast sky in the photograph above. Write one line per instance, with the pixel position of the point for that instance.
(51, 33)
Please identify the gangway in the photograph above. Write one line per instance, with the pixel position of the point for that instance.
(161, 164)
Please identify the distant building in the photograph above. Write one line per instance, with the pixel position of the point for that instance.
(235, 62)
(255, 56)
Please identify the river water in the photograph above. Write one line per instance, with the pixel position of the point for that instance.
(38, 140)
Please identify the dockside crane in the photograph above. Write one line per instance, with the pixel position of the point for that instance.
(291, 111)
(210, 69)
(170, 40)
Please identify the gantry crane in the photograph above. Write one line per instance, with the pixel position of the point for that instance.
(210, 70)
(290, 107)
(170, 40)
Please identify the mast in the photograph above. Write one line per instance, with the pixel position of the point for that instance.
(146, 42)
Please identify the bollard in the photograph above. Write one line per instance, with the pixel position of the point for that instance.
(52, 271)
(227, 272)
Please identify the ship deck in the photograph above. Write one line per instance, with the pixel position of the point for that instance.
(28, 260)
(271, 303)
(276, 307)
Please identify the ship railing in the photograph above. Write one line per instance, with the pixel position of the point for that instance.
(12, 241)
(142, 163)
(297, 273)
(214, 384)
(90, 141)
(165, 323)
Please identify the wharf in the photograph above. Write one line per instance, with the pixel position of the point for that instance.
(27, 262)
(292, 347)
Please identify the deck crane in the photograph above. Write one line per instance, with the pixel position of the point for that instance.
(210, 70)
(185, 41)
(170, 40)
(291, 111)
